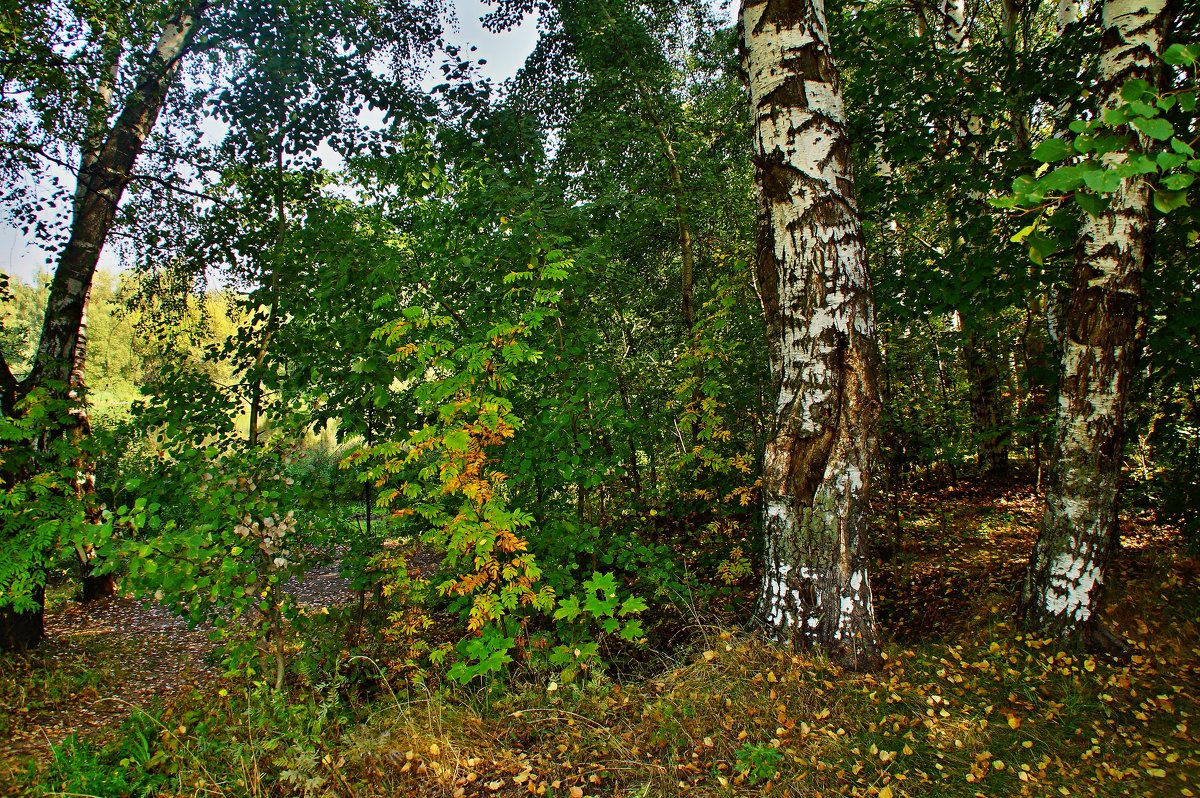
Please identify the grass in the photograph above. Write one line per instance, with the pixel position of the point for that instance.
(964, 706)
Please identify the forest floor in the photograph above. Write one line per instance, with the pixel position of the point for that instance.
(964, 706)
(105, 660)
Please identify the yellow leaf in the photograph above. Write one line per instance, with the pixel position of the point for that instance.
(885, 792)
(1014, 722)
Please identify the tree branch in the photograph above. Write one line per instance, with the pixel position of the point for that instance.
(174, 186)
(38, 151)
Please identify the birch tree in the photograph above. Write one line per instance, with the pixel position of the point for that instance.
(811, 275)
(330, 53)
(1079, 534)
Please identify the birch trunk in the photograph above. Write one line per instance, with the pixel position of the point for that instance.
(1079, 534)
(105, 172)
(815, 292)
(93, 585)
(102, 183)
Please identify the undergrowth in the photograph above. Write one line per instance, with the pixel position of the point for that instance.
(964, 706)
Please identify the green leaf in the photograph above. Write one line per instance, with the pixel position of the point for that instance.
(1065, 179)
(1091, 203)
(632, 631)
(1042, 246)
(1023, 233)
(1103, 181)
(1179, 182)
(1052, 150)
(1182, 147)
(1169, 160)
(1157, 129)
(1143, 109)
(457, 440)
(1167, 201)
(568, 609)
(1138, 164)
(605, 583)
(1181, 54)
(631, 605)
(1115, 117)
(1134, 90)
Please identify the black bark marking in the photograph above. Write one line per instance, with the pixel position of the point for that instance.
(789, 94)
(784, 14)
(777, 178)
(1101, 318)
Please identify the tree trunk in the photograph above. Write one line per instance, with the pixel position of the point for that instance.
(22, 630)
(97, 203)
(101, 185)
(1037, 366)
(1079, 534)
(812, 280)
(94, 586)
(991, 426)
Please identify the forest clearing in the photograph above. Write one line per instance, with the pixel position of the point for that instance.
(782, 399)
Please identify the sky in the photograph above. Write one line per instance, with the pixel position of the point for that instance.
(504, 52)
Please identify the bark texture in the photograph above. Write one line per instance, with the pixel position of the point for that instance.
(815, 292)
(1079, 533)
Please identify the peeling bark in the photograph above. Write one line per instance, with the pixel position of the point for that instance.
(1079, 534)
(813, 284)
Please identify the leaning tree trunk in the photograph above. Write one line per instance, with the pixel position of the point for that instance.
(812, 280)
(101, 185)
(1079, 532)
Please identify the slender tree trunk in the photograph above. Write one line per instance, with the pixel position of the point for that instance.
(1037, 366)
(93, 585)
(1066, 575)
(101, 185)
(22, 630)
(812, 280)
(987, 412)
(260, 360)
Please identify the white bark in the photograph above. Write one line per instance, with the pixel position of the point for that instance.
(1079, 528)
(813, 282)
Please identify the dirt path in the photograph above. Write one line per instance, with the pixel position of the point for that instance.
(122, 655)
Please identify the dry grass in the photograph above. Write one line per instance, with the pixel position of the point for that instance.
(965, 706)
